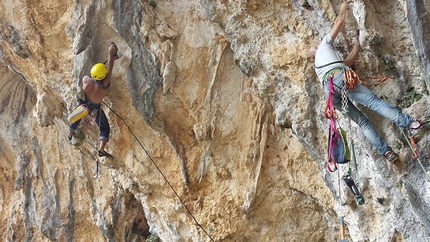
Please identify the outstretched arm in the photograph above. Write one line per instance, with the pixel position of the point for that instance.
(111, 60)
(352, 56)
(340, 20)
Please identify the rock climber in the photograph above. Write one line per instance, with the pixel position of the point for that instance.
(329, 62)
(95, 89)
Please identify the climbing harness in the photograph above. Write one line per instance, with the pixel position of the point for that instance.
(161, 173)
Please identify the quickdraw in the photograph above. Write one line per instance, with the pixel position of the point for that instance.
(90, 121)
(350, 79)
(379, 80)
(413, 146)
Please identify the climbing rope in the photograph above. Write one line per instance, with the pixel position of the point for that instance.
(357, 177)
(159, 170)
(98, 171)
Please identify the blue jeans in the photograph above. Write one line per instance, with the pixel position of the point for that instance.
(101, 120)
(367, 98)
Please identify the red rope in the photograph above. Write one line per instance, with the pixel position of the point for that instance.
(329, 113)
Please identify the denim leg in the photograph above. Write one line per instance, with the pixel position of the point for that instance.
(357, 116)
(103, 124)
(366, 127)
(368, 99)
(74, 126)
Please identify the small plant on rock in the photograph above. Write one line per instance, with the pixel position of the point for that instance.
(411, 97)
(425, 90)
(153, 238)
(152, 3)
(380, 200)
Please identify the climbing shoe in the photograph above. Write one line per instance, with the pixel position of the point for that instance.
(417, 129)
(391, 156)
(104, 154)
(70, 136)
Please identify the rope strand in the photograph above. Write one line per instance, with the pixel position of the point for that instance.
(159, 170)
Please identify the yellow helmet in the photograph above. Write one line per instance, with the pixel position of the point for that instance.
(99, 71)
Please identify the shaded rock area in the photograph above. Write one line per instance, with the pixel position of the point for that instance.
(216, 116)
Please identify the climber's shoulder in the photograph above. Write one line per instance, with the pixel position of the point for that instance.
(86, 80)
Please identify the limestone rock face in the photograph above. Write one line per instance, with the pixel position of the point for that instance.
(217, 132)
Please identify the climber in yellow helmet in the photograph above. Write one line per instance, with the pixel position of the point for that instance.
(95, 89)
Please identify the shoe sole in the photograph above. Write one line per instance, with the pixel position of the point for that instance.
(419, 136)
(394, 160)
(104, 155)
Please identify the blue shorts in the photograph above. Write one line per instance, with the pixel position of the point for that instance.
(101, 119)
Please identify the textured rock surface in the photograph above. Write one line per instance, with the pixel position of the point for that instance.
(221, 97)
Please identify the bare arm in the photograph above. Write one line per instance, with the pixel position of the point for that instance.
(340, 21)
(352, 56)
(111, 60)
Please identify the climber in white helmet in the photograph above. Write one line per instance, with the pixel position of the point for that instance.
(95, 89)
(330, 63)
